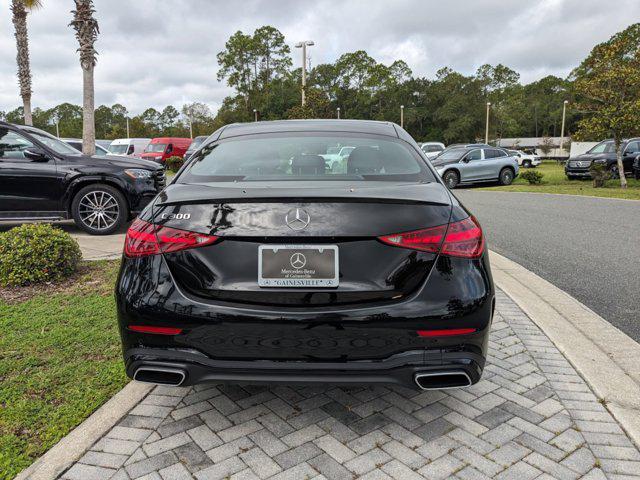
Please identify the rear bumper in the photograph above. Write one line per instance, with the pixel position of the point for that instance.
(400, 369)
(370, 344)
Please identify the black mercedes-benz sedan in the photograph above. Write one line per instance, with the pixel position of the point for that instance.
(265, 262)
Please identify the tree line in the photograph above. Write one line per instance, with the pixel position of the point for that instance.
(65, 120)
(450, 107)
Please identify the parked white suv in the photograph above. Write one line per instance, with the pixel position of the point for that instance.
(432, 149)
(525, 160)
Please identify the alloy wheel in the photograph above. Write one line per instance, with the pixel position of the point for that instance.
(451, 180)
(614, 172)
(98, 210)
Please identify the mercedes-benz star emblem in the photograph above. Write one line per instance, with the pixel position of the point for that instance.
(298, 260)
(297, 219)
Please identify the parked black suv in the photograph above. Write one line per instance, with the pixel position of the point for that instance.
(604, 153)
(43, 178)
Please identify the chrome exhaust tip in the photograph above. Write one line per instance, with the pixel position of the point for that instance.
(442, 380)
(160, 375)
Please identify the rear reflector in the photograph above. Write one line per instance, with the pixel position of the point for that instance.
(144, 238)
(458, 239)
(449, 332)
(156, 330)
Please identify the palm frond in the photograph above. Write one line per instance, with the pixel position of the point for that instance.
(86, 27)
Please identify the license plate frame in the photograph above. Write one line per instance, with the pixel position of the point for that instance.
(301, 271)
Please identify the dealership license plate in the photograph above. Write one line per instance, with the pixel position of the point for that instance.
(298, 266)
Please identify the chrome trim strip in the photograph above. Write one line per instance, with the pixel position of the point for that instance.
(417, 376)
(162, 370)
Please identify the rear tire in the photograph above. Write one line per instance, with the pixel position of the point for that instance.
(506, 176)
(99, 209)
(451, 179)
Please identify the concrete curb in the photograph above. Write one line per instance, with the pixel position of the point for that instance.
(603, 355)
(560, 194)
(68, 450)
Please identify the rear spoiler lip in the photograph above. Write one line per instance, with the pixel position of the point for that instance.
(425, 194)
(334, 199)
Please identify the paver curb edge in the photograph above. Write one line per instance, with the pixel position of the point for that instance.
(602, 354)
(70, 448)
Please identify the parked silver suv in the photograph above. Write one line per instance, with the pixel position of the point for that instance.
(467, 165)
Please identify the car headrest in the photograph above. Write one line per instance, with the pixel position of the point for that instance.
(365, 160)
(308, 165)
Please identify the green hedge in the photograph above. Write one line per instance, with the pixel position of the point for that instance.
(534, 177)
(174, 163)
(34, 253)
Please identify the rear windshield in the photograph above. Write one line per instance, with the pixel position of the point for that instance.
(306, 156)
(432, 148)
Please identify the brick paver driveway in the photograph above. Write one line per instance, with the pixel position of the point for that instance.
(530, 417)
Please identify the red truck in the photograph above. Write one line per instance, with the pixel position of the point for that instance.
(161, 148)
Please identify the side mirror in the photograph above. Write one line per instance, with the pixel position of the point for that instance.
(169, 148)
(36, 154)
(465, 160)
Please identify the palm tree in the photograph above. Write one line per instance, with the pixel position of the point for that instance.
(86, 27)
(19, 9)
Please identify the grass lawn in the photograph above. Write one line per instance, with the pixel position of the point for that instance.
(555, 181)
(59, 361)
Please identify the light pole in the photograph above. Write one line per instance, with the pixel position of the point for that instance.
(304, 45)
(486, 131)
(255, 115)
(402, 116)
(57, 129)
(564, 112)
(338, 110)
(127, 118)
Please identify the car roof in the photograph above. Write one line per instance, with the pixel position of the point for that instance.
(127, 140)
(164, 139)
(278, 126)
(26, 128)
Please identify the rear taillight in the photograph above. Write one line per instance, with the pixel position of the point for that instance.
(144, 238)
(458, 239)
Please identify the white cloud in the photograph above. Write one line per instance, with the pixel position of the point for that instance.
(155, 53)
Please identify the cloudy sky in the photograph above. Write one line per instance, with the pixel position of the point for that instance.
(160, 52)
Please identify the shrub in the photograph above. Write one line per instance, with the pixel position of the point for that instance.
(174, 163)
(599, 174)
(534, 177)
(36, 253)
